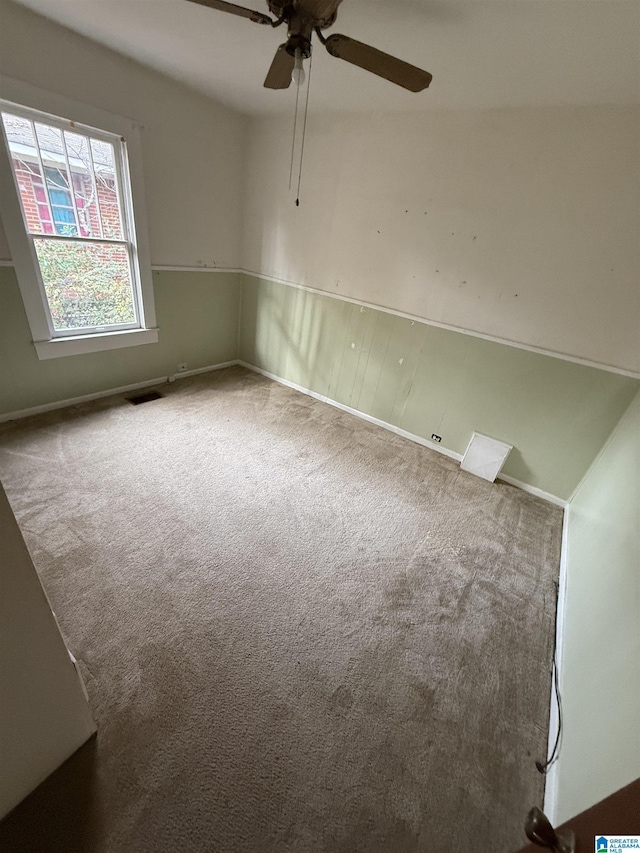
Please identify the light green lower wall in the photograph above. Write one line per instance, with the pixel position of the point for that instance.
(197, 314)
(600, 664)
(417, 377)
(428, 380)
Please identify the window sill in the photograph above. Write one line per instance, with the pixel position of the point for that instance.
(81, 344)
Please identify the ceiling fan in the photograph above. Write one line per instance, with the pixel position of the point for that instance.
(303, 18)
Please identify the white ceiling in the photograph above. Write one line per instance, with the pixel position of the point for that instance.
(482, 53)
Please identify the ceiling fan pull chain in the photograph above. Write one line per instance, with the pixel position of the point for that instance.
(304, 128)
(293, 143)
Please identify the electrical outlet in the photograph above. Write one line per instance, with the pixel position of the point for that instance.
(182, 367)
(435, 437)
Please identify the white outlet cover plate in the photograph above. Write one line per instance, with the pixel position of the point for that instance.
(485, 456)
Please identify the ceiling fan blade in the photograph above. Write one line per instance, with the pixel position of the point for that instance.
(382, 64)
(222, 6)
(279, 75)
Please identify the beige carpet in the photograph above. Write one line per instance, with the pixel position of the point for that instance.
(299, 631)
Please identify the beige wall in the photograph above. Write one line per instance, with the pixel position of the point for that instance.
(192, 156)
(192, 147)
(44, 716)
(516, 223)
(600, 668)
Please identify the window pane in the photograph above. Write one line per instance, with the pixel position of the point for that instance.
(105, 175)
(85, 205)
(26, 168)
(87, 284)
(84, 186)
(57, 179)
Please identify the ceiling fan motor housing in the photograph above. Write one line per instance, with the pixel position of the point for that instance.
(321, 14)
(300, 29)
(299, 41)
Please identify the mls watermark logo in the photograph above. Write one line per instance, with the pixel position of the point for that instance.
(616, 843)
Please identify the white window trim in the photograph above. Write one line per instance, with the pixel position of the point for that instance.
(23, 255)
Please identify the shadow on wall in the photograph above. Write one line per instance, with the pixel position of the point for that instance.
(289, 337)
(61, 814)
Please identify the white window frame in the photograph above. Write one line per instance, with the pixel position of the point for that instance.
(48, 343)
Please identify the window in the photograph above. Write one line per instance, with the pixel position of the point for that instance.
(82, 266)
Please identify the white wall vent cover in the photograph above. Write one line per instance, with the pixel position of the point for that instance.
(485, 456)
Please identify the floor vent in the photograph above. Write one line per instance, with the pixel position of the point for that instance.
(144, 398)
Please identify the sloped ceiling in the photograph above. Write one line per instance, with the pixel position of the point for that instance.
(482, 53)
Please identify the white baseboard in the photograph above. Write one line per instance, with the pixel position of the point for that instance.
(207, 369)
(432, 445)
(110, 392)
(72, 401)
(324, 399)
(534, 490)
(552, 777)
